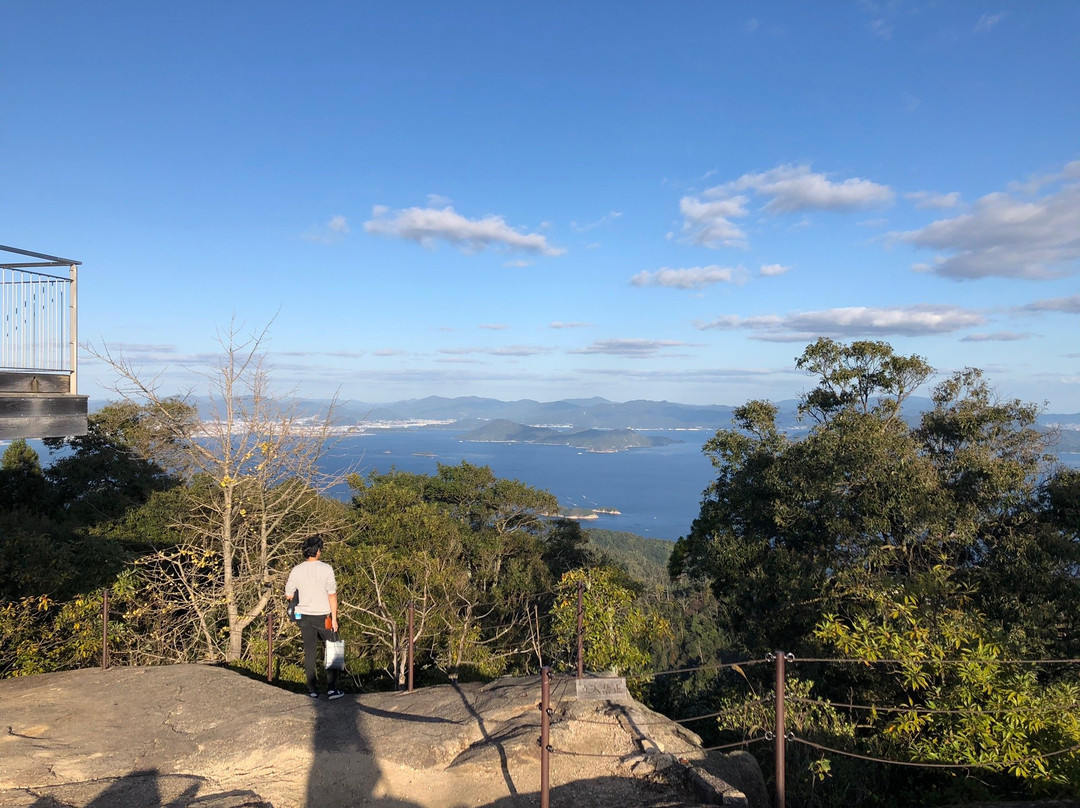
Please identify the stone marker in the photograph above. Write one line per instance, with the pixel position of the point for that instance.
(609, 688)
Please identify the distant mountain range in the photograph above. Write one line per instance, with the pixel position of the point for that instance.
(593, 440)
(584, 413)
(578, 414)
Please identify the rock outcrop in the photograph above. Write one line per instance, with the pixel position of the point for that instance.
(197, 736)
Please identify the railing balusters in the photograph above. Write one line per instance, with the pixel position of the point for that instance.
(36, 321)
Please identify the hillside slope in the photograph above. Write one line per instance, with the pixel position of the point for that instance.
(643, 558)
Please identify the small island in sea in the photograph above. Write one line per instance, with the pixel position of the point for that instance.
(592, 440)
(579, 514)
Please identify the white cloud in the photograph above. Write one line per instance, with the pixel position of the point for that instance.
(997, 336)
(427, 226)
(606, 219)
(457, 360)
(709, 224)
(1036, 182)
(988, 21)
(345, 354)
(697, 374)
(928, 199)
(709, 218)
(791, 188)
(1068, 305)
(138, 347)
(336, 354)
(629, 347)
(519, 263)
(494, 326)
(856, 321)
(689, 278)
(1007, 237)
(439, 201)
(333, 232)
(751, 25)
(520, 350)
(881, 28)
(559, 324)
(505, 350)
(772, 270)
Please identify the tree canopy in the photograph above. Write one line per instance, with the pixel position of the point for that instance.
(863, 535)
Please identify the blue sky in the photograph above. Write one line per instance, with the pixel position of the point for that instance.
(624, 199)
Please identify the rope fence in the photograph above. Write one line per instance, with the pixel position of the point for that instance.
(716, 666)
(928, 710)
(782, 738)
(990, 765)
(936, 661)
(758, 706)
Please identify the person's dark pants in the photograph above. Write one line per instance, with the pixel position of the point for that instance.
(314, 632)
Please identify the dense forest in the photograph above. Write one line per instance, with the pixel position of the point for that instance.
(925, 578)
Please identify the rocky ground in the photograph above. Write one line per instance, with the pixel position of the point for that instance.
(204, 737)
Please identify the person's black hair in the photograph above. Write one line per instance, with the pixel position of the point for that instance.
(312, 545)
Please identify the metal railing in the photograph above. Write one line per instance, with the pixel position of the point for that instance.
(39, 316)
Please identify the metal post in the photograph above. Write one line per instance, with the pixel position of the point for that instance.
(412, 616)
(781, 732)
(545, 736)
(104, 629)
(269, 646)
(581, 630)
(73, 327)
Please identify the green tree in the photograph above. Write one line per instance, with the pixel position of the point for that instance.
(400, 549)
(22, 483)
(618, 629)
(566, 547)
(866, 531)
(41, 552)
(962, 702)
(468, 549)
(864, 376)
(112, 468)
(861, 495)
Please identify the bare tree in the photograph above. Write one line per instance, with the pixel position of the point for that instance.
(387, 582)
(254, 491)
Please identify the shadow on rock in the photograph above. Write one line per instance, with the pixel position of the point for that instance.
(599, 792)
(344, 772)
(503, 763)
(146, 789)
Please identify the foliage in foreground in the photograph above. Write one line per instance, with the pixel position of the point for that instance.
(867, 537)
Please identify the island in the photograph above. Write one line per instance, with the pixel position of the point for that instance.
(591, 440)
(579, 514)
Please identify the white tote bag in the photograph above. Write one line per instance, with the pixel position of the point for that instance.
(335, 655)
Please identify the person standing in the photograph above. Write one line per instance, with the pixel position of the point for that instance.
(313, 580)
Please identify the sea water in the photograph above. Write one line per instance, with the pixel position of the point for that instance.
(656, 490)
